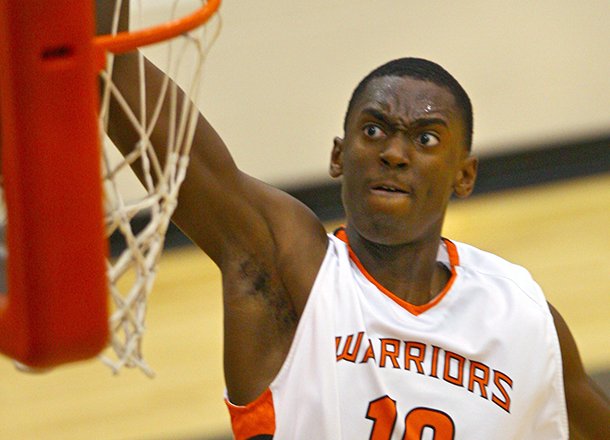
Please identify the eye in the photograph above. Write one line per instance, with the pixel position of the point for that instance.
(373, 131)
(428, 139)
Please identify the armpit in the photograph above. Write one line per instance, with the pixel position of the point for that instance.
(260, 283)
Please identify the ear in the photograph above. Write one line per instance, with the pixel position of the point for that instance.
(336, 158)
(466, 177)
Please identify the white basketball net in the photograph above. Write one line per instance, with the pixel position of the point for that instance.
(132, 272)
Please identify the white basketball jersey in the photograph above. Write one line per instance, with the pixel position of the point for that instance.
(480, 361)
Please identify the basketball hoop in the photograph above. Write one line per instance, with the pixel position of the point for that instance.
(128, 275)
(127, 41)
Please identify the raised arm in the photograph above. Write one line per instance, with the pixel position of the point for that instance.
(220, 207)
(267, 244)
(588, 408)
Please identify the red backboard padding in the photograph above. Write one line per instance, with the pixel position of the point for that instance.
(56, 307)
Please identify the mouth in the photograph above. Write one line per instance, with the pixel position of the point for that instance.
(390, 190)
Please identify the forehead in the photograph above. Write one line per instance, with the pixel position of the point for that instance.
(408, 98)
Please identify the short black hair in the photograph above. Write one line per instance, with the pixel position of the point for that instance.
(421, 69)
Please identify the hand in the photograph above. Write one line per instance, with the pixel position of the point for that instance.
(105, 14)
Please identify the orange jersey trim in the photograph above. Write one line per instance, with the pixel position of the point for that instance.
(411, 308)
(254, 419)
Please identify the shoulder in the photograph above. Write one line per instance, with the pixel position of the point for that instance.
(489, 267)
(482, 261)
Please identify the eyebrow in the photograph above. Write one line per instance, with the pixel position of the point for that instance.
(419, 122)
(377, 115)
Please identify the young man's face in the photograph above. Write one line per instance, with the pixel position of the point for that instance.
(402, 157)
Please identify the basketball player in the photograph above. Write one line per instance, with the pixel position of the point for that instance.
(384, 329)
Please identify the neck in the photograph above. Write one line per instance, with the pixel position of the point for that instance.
(408, 270)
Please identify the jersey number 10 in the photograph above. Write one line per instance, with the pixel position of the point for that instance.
(383, 413)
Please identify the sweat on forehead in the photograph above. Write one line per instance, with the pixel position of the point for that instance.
(424, 70)
(408, 97)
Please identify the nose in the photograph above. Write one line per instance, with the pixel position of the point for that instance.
(394, 154)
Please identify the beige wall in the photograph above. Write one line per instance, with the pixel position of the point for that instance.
(278, 80)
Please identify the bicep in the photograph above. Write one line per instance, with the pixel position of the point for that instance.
(236, 214)
(588, 408)
(224, 211)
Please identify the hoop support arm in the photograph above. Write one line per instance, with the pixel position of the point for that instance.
(56, 307)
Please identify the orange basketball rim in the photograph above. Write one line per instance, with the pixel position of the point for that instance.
(55, 309)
